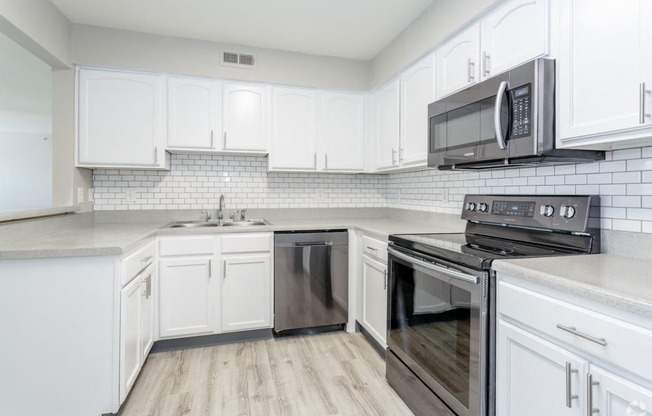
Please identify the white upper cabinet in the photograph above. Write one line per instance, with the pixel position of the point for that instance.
(121, 120)
(513, 34)
(386, 122)
(294, 129)
(341, 132)
(417, 91)
(457, 62)
(244, 118)
(510, 35)
(194, 114)
(605, 73)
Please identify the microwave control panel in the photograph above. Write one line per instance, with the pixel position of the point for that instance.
(521, 111)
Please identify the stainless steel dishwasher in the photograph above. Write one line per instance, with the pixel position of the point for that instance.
(311, 279)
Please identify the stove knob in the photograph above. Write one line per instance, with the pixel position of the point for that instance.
(567, 211)
(470, 206)
(483, 207)
(547, 210)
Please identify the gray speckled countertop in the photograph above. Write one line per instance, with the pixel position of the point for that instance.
(88, 235)
(620, 282)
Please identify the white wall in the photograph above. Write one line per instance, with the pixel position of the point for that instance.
(438, 22)
(94, 46)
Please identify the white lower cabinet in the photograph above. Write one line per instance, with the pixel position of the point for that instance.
(186, 297)
(557, 358)
(247, 275)
(374, 298)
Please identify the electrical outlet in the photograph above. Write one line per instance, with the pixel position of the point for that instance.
(130, 195)
(80, 195)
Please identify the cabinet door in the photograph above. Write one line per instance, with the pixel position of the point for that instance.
(147, 315)
(120, 119)
(514, 34)
(130, 342)
(615, 396)
(186, 297)
(342, 132)
(244, 117)
(457, 62)
(531, 376)
(294, 129)
(194, 114)
(602, 66)
(246, 292)
(374, 299)
(386, 119)
(417, 91)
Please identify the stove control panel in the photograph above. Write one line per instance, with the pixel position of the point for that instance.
(555, 212)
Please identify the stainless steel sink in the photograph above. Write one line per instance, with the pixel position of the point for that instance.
(193, 224)
(196, 224)
(245, 223)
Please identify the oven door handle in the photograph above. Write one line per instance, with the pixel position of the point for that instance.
(433, 267)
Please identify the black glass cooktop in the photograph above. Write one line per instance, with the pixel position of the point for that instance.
(476, 251)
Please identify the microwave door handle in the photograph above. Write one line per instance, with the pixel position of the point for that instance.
(498, 124)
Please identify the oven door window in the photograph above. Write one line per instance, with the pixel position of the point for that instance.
(436, 323)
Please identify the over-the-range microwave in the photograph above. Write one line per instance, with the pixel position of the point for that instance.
(505, 121)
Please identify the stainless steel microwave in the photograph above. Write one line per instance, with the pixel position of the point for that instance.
(505, 121)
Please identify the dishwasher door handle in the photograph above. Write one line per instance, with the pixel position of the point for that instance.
(313, 243)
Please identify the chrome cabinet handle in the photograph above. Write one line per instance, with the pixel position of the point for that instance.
(433, 267)
(326, 161)
(148, 285)
(641, 105)
(224, 269)
(385, 279)
(146, 259)
(470, 65)
(485, 63)
(210, 268)
(574, 331)
(315, 160)
(590, 410)
(372, 248)
(156, 155)
(498, 126)
(400, 155)
(569, 393)
(224, 141)
(212, 141)
(393, 157)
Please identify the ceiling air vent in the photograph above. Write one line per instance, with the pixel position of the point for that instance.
(238, 60)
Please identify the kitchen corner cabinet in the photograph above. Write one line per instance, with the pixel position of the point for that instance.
(120, 120)
(194, 114)
(316, 131)
(417, 91)
(605, 74)
(544, 367)
(514, 33)
(247, 272)
(386, 131)
(187, 287)
(372, 304)
(244, 117)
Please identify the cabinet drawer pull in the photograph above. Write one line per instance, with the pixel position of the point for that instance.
(372, 248)
(569, 393)
(641, 106)
(146, 259)
(574, 331)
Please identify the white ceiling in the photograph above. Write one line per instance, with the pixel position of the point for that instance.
(357, 29)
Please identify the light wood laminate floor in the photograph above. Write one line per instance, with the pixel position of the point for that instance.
(329, 374)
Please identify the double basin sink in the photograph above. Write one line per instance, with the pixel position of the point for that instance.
(196, 224)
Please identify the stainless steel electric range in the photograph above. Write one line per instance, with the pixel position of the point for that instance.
(441, 300)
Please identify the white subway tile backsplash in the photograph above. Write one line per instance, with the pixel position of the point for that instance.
(624, 182)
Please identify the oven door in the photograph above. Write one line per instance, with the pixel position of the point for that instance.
(438, 328)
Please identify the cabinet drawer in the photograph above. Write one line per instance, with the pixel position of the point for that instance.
(187, 246)
(627, 345)
(374, 248)
(137, 261)
(247, 243)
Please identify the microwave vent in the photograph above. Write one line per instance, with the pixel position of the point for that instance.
(238, 59)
